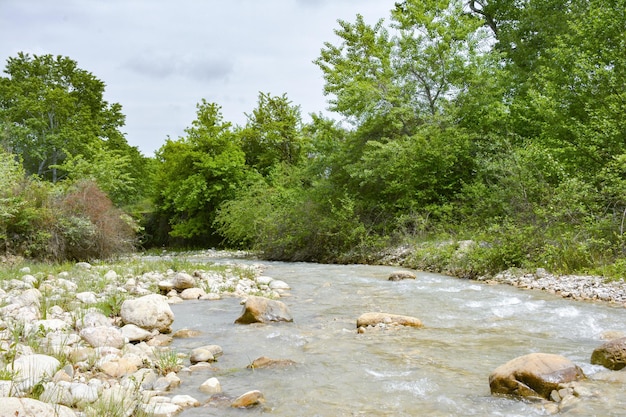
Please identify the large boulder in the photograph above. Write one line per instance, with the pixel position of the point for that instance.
(611, 355)
(534, 375)
(148, 312)
(263, 310)
(374, 319)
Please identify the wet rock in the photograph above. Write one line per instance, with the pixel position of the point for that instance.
(249, 399)
(401, 275)
(534, 375)
(611, 355)
(208, 353)
(148, 312)
(265, 362)
(263, 310)
(186, 333)
(374, 319)
(211, 386)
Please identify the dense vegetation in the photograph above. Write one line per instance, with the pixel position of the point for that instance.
(495, 121)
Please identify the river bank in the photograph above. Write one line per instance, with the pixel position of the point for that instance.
(577, 287)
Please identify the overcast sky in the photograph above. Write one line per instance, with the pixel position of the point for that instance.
(159, 58)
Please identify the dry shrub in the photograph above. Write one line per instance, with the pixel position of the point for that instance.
(89, 226)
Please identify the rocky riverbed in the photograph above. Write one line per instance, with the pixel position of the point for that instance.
(63, 356)
(93, 340)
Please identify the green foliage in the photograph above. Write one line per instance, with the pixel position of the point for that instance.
(197, 173)
(272, 134)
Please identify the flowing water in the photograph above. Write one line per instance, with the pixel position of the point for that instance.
(439, 370)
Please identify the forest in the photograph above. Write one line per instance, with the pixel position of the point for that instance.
(493, 125)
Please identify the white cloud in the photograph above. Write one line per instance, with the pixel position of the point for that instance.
(159, 58)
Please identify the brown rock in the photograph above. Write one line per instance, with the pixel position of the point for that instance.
(401, 275)
(534, 375)
(263, 310)
(249, 399)
(372, 319)
(265, 362)
(611, 355)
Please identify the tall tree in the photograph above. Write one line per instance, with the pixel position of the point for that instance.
(49, 106)
(272, 133)
(197, 173)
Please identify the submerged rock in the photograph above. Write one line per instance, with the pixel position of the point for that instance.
(534, 375)
(265, 362)
(401, 275)
(374, 319)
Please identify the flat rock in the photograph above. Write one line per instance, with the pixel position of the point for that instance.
(373, 319)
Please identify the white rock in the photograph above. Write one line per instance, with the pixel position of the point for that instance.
(148, 312)
(103, 336)
(110, 275)
(185, 401)
(27, 407)
(87, 297)
(32, 369)
(92, 319)
(211, 386)
(192, 293)
(135, 333)
(279, 285)
(161, 409)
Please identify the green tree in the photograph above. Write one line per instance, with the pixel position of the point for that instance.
(48, 106)
(197, 173)
(272, 134)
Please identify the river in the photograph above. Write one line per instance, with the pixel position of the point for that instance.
(440, 370)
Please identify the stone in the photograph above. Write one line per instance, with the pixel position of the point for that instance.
(279, 285)
(32, 369)
(87, 297)
(182, 281)
(211, 386)
(103, 336)
(263, 310)
(249, 399)
(161, 409)
(401, 275)
(611, 355)
(192, 294)
(534, 375)
(118, 367)
(28, 407)
(93, 319)
(265, 362)
(201, 355)
(186, 333)
(135, 333)
(373, 319)
(185, 401)
(148, 312)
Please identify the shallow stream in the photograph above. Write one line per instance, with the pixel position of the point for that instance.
(440, 370)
